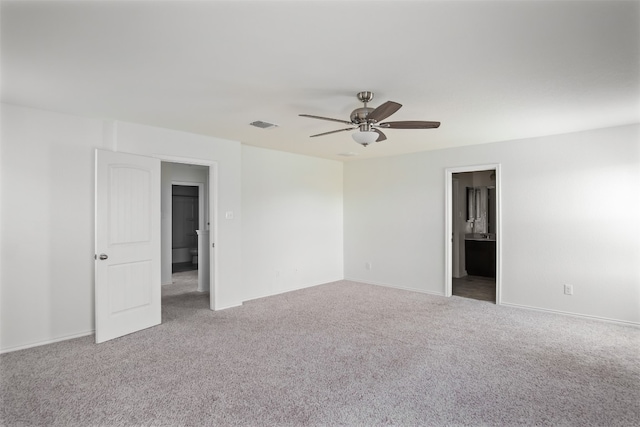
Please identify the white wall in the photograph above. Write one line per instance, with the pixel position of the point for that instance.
(569, 215)
(292, 221)
(47, 234)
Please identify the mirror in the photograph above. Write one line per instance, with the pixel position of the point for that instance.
(481, 209)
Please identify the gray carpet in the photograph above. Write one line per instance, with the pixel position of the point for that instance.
(182, 282)
(343, 353)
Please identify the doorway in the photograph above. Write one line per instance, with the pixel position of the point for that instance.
(185, 224)
(186, 260)
(473, 237)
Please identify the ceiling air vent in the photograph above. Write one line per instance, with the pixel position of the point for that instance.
(263, 125)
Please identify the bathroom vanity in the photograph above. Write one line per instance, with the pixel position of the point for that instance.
(480, 239)
(480, 254)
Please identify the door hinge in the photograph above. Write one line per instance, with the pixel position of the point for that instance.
(213, 245)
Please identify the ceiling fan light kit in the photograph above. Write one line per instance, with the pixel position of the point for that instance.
(365, 138)
(368, 121)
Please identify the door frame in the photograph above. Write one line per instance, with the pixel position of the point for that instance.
(448, 218)
(455, 251)
(213, 217)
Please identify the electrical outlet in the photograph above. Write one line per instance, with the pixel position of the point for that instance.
(367, 265)
(568, 289)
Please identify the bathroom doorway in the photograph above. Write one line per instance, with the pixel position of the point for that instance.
(473, 236)
(185, 230)
(185, 206)
(185, 224)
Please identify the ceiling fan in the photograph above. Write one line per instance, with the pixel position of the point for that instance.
(368, 121)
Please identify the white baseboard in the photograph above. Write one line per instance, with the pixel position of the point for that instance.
(45, 342)
(568, 313)
(218, 308)
(271, 294)
(526, 307)
(387, 285)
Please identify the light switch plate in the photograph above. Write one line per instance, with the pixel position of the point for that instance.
(228, 215)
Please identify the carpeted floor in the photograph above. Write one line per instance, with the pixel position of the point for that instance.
(343, 353)
(183, 282)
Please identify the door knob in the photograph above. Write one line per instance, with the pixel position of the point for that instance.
(103, 256)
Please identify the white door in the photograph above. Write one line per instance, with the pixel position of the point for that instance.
(127, 282)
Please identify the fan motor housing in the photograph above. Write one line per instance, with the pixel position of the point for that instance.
(359, 115)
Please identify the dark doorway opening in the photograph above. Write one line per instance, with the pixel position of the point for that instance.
(185, 222)
(474, 235)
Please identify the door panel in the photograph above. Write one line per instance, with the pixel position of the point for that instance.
(129, 207)
(128, 238)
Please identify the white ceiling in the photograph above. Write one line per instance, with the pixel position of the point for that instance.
(488, 70)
